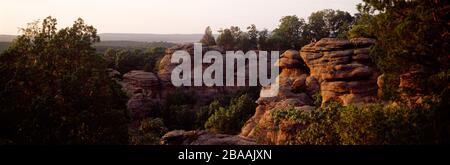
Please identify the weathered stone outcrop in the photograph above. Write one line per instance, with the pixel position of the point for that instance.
(204, 94)
(339, 70)
(294, 91)
(143, 88)
(138, 81)
(343, 69)
(147, 89)
(180, 137)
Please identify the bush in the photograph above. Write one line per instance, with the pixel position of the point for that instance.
(409, 35)
(370, 124)
(125, 60)
(224, 100)
(178, 111)
(229, 120)
(149, 132)
(56, 90)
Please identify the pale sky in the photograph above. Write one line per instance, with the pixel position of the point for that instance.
(162, 16)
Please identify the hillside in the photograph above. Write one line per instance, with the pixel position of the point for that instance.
(4, 45)
(176, 38)
(6, 38)
(138, 37)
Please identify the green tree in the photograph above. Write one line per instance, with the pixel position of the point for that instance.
(55, 89)
(110, 57)
(149, 132)
(226, 39)
(328, 23)
(262, 39)
(253, 36)
(363, 19)
(243, 42)
(229, 120)
(411, 36)
(290, 30)
(208, 38)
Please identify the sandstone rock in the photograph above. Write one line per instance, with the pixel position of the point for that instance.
(380, 83)
(312, 85)
(113, 74)
(362, 42)
(342, 70)
(410, 87)
(144, 91)
(180, 137)
(138, 81)
(289, 59)
(203, 94)
(339, 71)
(293, 93)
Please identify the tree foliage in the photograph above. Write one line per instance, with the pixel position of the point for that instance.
(290, 31)
(373, 124)
(56, 90)
(230, 119)
(328, 23)
(208, 38)
(125, 60)
(411, 36)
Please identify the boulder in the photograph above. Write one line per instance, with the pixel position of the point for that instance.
(138, 81)
(202, 137)
(343, 69)
(143, 89)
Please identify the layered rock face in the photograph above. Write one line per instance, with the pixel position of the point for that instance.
(143, 88)
(204, 93)
(343, 69)
(294, 91)
(146, 89)
(339, 70)
(180, 137)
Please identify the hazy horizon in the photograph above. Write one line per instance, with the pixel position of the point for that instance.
(162, 16)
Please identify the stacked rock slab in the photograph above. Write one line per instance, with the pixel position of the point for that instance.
(343, 69)
(203, 93)
(339, 70)
(293, 92)
(143, 88)
(202, 137)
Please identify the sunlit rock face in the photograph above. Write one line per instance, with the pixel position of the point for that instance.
(294, 90)
(343, 69)
(333, 69)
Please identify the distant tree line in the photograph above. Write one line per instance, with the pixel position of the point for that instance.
(125, 60)
(292, 33)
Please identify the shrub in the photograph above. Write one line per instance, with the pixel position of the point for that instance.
(178, 111)
(370, 124)
(56, 90)
(229, 120)
(149, 132)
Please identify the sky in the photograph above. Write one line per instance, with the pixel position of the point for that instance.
(161, 16)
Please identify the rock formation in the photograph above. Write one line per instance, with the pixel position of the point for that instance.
(343, 69)
(180, 137)
(333, 69)
(339, 70)
(204, 94)
(143, 88)
(147, 89)
(294, 89)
